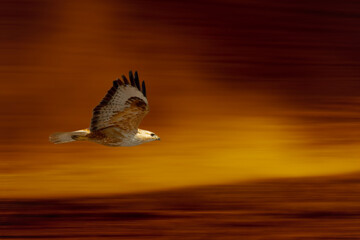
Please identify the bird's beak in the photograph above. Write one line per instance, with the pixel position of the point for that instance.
(158, 139)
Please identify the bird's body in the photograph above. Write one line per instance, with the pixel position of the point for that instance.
(116, 137)
(116, 119)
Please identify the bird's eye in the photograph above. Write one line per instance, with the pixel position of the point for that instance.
(153, 134)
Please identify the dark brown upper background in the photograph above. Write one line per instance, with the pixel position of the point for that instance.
(237, 90)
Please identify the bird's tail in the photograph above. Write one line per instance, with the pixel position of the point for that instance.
(65, 137)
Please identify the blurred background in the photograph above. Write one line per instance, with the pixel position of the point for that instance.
(239, 91)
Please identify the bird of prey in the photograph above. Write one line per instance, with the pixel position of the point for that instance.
(116, 119)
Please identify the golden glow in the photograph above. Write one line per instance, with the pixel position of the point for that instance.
(212, 129)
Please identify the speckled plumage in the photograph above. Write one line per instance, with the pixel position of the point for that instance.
(116, 119)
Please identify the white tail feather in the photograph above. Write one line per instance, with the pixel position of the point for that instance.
(65, 137)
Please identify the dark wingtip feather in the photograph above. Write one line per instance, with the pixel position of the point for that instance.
(117, 83)
(125, 80)
(143, 88)
(131, 77)
(137, 81)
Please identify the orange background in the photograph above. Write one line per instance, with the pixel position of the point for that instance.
(238, 90)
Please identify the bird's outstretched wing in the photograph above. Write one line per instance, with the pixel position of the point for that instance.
(124, 106)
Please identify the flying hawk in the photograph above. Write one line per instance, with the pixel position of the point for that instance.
(116, 119)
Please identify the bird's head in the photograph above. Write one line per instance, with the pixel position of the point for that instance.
(147, 136)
